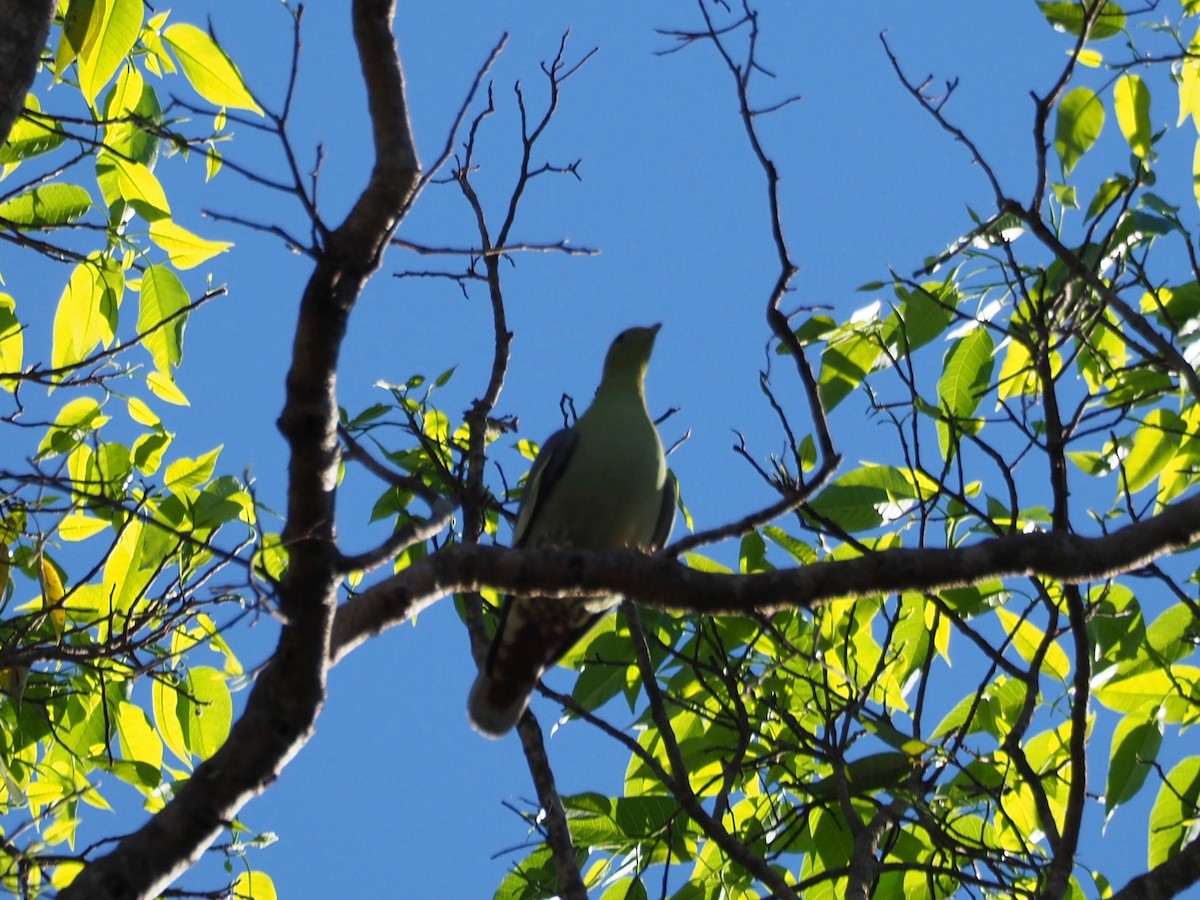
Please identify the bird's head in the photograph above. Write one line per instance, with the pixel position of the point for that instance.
(629, 354)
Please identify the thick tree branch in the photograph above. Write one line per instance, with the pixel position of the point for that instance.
(665, 584)
(26, 25)
(283, 706)
(1166, 880)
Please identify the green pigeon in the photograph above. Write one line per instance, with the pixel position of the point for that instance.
(602, 484)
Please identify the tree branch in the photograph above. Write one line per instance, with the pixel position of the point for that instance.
(26, 27)
(662, 583)
(287, 697)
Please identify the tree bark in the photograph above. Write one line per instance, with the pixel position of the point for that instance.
(24, 26)
(282, 709)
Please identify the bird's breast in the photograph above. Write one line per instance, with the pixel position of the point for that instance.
(610, 494)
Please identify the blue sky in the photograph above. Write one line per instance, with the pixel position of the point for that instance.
(395, 795)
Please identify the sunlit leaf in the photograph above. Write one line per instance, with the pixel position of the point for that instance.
(12, 341)
(86, 316)
(208, 69)
(162, 316)
(133, 183)
(112, 29)
(186, 250)
(1068, 16)
(1080, 120)
(31, 135)
(1135, 745)
(1131, 99)
(1173, 819)
(46, 206)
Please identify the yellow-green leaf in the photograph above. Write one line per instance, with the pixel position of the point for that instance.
(132, 182)
(12, 341)
(29, 136)
(213, 712)
(1027, 638)
(186, 250)
(171, 710)
(76, 419)
(1189, 85)
(52, 594)
(47, 206)
(162, 316)
(1080, 121)
(87, 312)
(208, 69)
(130, 103)
(77, 526)
(254, 886)
(141, 413)
(1173, 818)
(1069, 17)
(1154, 443)
(163, 387)
(190, 473)
(112, 29)
(139, 741)
(1196, 173)
(1131, 98)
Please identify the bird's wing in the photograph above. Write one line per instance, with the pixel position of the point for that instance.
(666, 513)
(547, 470)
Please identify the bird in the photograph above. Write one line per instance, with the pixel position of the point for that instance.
(601, 484)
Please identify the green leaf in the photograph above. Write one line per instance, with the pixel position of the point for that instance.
(30, 136)
(966, 373)
(1173, 819)
(77, 526)
(1027, 638)
(208, 69)
(212, 713)
(162, 316)
(966, 376)
(926, 313)
(1142, 693)
(186, 250)
(1135, 745)
(112, 30)
(1080, 120)
(185, 473)
(1107, 194)
(86, 316)
(171, 710)
(1172, 634)
(533, 878)
(862, 499)
(139, 741)
(844, 363)
(164, 388)
(47, 206)
(1155, 442)
(130, 103)
(126, 181)
(1068, 16)
(12, 342)
(148, 451)
(76, 419)
(1131, 99)
(254, 885)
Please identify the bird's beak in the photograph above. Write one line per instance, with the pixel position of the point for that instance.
(655, 327)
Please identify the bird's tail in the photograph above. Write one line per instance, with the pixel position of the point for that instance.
(495, 706)
(533, 635)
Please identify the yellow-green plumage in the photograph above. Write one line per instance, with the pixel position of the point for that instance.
(601, 484)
